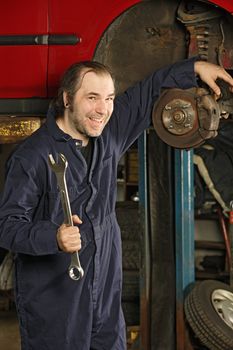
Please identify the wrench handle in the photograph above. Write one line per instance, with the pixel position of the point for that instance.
(66, 208)
(75, 269)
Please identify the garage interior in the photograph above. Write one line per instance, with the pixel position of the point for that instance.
(175, 221)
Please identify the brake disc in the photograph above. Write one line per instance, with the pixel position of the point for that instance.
(186, 118)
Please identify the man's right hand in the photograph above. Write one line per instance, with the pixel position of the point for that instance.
(69, 237)
(209, 73)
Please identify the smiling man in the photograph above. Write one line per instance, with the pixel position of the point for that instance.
(93, 129)
(89, 111)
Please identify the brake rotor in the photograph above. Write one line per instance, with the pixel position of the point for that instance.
(186, 118)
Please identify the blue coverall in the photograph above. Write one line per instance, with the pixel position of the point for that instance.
(55, 312)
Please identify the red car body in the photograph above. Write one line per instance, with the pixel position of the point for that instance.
(39, 39)
(33, 70)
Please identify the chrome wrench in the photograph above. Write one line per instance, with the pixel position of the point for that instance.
(75, 269)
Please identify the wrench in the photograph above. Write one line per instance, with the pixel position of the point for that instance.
(75, 269)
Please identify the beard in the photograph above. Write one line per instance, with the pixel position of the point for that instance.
(88, 125)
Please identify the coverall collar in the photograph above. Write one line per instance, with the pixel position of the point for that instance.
(56, 132)
(53, 128)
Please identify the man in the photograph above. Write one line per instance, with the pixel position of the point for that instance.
(92, 129)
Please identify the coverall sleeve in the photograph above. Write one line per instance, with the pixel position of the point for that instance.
(133, 109)
(21, 229)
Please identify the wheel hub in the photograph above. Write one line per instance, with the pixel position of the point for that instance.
(186, 118)
(178, 117)
(222, 301)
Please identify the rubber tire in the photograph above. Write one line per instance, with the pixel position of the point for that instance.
(205, 322)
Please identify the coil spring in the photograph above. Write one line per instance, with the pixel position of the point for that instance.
(202, 36)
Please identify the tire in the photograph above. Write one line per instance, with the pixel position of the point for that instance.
(209, 312)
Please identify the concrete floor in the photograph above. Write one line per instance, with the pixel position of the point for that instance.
(9, 331)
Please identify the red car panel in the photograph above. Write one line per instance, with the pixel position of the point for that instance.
(31, 63)
(23, 68)
(88, 20)
(33, 70)
(225, 4)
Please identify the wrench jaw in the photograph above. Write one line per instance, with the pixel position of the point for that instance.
(75, 272)
(60, 166)
(63, 159)
(75, 269)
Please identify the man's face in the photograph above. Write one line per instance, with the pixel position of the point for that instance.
(92, 105)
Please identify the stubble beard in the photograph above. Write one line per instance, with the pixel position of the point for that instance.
(79, 125)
